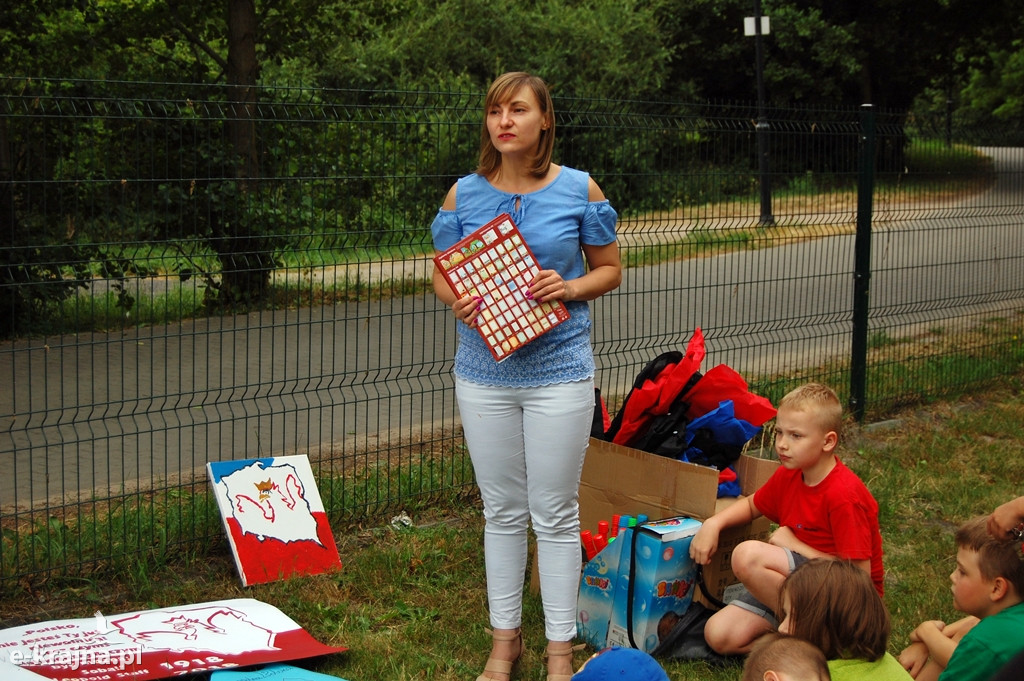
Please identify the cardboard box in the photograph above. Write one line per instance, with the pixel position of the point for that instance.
(618, 480)
(598, 583)
(663, 576)
(622, 480)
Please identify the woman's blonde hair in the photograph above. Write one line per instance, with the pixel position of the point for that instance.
(835, 606)
(502, 90)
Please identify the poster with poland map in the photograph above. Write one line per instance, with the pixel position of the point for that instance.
(274, 518)
(156, 644)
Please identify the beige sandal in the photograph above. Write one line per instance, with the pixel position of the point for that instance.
(506, 667)
(568, 651)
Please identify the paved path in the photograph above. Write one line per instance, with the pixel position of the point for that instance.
(96, 413)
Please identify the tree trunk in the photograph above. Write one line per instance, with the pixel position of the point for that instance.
(240, 242)
(9, 296)
(242, 73)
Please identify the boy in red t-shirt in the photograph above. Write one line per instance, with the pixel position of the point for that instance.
(822, 508)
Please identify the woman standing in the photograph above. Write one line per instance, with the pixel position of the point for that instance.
(527, 419)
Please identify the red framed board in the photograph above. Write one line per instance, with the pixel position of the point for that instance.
(496, 264)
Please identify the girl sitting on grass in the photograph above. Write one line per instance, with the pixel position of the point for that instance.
(834, 605)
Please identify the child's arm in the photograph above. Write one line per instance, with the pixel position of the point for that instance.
(1005, 518)
(913, 658)
(705, 542)
(786, 538)
(941, 638)
(931, 635)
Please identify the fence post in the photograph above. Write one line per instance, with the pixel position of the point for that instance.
(762, 128)
(862, 261)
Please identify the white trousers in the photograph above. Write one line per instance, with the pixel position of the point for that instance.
(527, 447)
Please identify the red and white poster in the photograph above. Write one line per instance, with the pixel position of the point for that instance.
(156, 644)
(274, 518)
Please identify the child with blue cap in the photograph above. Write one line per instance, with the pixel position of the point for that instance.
(621, 664)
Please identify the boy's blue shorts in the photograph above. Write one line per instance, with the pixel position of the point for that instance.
(746, 600)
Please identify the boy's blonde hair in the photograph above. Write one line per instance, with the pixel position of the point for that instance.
(819, 400)
(996, 557)
(789, 655)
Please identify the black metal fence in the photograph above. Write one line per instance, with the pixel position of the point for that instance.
(187, 279)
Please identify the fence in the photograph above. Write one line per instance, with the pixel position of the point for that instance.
(166, 304)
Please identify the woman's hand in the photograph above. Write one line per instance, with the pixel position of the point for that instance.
(467, 309)
(549, 285)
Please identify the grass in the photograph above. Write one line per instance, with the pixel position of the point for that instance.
(930, 157)
(917, 366)
(692, 245)
(409, 602)
(104, 538)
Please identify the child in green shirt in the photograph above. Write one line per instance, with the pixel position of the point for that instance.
(988, 583)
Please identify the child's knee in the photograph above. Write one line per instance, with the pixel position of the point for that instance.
(717, 630)
(748, 556)
(732, 630)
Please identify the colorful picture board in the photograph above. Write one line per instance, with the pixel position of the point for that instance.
(496, 264)
(275, 521)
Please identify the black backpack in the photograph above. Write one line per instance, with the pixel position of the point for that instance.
(686, 640)
(664, 434)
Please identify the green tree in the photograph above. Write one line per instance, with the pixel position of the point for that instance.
(149, 42)
(999, 89)
(888, 52)
(848, 52)
(603, 48)
(32, 40)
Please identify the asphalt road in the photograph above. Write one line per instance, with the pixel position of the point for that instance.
(99, 413)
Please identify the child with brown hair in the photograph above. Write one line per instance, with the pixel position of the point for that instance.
(834, 605)
(823, 510)
(775, 657)
(988, 584)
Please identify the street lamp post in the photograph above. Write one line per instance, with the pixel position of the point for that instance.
(762, 128)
